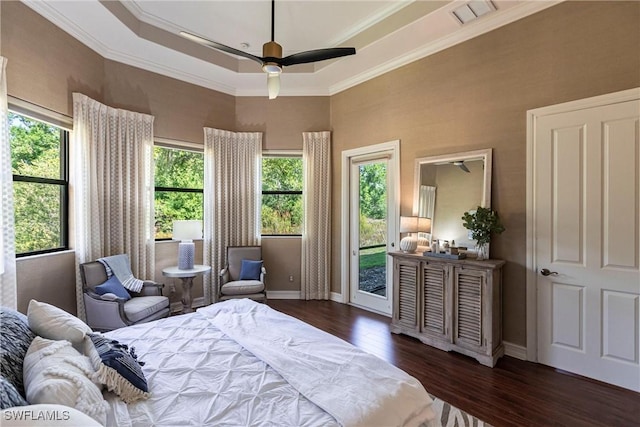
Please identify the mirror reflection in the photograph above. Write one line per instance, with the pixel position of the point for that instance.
(448, 186)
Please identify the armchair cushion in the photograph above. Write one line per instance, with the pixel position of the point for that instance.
(242, 287)
(139, 308)
(250, 270)
(113, 286)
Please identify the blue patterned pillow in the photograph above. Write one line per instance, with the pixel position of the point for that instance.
(113, 286)
(9, 396)
(250, 270)
(15, 339)
(117, 367)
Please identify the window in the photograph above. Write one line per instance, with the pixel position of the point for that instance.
(179, 179)
(281, 195)
(39, 163)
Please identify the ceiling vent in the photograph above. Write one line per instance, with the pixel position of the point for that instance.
(472, 10)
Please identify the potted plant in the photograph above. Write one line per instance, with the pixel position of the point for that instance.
(481, 223)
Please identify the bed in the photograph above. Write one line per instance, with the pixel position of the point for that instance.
(242, 363)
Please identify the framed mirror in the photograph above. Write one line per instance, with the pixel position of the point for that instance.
(447, 186)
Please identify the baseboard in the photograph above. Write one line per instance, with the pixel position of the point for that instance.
(336, 297)
(283, 294)
(515, 350)
(176, 307)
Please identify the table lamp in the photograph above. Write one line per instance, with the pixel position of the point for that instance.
(412, 224)
(186, 231)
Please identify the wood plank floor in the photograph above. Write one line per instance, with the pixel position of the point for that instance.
(514, 393)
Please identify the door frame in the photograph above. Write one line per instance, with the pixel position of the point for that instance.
(531, 261)
(392, 147)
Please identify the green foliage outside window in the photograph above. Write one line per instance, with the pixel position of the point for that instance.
(179, 182)
(281, 195)
(39, 186)
(373, 204)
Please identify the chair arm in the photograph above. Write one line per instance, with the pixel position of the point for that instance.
(263, 273)
(150, 288)
(224, 275)
(104, 315)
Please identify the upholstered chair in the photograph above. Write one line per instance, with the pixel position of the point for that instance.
(108, 311)
(243, 275)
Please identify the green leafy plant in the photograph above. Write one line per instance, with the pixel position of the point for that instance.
(482, 223)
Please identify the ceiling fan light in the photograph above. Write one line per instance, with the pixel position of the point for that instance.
(271, 68)
(273, 85)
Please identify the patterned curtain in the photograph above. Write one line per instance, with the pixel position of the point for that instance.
(316, 230)
(231, 197)
(112, 184)
(8, 292)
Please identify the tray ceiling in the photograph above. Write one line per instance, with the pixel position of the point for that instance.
(386, 33)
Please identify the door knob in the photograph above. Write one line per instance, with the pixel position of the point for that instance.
(393, 245)
(547, 272)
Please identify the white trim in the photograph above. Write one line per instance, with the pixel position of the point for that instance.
(178, 144)
(337, 297)
(394, 147)
(515, 350)
(372, 310)
(37, 112)
(531, 262)
(281, 153)
(283, 294)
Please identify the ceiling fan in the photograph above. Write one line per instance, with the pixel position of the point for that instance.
(461, 165)
(272, 60)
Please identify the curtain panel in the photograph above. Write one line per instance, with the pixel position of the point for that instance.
(232, 192)
(112, 185)
(8, 291)
(316, 230)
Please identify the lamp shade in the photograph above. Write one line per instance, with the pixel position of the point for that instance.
(187, 229)
(408, 224)
(424, 225)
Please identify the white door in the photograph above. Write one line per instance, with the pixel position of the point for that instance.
(587, 241)
(372, 230)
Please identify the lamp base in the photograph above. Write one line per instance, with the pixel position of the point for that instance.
(186, 255)
(409, 244)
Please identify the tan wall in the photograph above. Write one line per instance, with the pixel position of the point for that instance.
(180, 109)
(46, 73)
(475, 95)
(282, 120)
(48, 278)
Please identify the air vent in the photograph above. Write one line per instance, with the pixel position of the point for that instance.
(472, 10)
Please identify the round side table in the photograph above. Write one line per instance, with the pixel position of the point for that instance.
(187, 281)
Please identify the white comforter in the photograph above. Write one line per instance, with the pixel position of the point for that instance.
(241, 363)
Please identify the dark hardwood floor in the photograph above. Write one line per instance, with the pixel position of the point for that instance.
(514, 393)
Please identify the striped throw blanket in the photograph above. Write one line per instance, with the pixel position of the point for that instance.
(120, 266)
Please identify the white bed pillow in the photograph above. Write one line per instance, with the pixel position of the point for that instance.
(45, 415)
(52, 322)
(54, 372)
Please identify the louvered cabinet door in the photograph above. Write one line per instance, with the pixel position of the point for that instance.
(406, 278)
(470, 308)
(435, 299)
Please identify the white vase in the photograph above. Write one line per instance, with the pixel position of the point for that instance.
(482, 251)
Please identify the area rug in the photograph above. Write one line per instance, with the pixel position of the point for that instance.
(450, 416)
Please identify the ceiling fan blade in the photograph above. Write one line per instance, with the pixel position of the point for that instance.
(462, 166)
(220, 46)
(316, 55)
